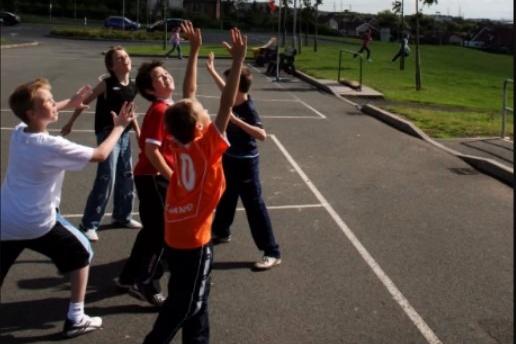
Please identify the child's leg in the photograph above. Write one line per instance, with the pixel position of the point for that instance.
(368, 52)
(123, 193)
(78, 283)
(256, 210)
(102, 187)
(226, 208)
(188, 290)
(9, 251)
(179, 55)
(144, 263)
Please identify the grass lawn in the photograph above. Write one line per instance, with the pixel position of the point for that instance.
(462, 88)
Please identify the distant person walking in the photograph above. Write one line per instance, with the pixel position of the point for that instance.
(404, 48)
(175, 41)
(366, 39)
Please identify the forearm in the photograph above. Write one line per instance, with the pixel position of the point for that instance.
(104, 149)
(136, 128)
(74, 116)
(190, 81)
(252, 130)
(63, 104)
(227, 98)
(157, 160)
(216, 77)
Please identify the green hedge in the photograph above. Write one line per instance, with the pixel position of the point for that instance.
(101, 33)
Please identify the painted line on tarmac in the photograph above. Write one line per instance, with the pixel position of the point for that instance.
(274, 207)
(318, 113)
(255, 99)
(425, 330)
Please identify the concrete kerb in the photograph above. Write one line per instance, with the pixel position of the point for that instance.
(18, 45)
(484, 165)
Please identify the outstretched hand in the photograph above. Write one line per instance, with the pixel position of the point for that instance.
(192, 34)
(125, 116)
(76, 101)
(238, 47)
(210, 63)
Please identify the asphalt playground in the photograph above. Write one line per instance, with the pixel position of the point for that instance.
(382, 240)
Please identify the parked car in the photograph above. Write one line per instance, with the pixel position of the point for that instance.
(172, 23)
(8, 18)
(122, 23)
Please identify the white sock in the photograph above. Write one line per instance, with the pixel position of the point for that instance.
(75, 311)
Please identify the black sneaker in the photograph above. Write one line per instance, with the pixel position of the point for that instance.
(145, 292)
(85, 325)
(216, 239)
(122, 284)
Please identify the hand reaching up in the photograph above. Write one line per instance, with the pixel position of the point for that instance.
(238, 47)
(76, 101)
(125, 116)
(192, 34)
(210, 63)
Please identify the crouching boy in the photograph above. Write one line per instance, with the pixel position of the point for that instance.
(31, 192)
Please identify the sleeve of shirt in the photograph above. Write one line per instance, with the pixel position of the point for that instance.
(155, 132)
(68, 155)
(253, 118)
(214, 143)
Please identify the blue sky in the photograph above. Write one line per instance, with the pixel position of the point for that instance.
(492, 9)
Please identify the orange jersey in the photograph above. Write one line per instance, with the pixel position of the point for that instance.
(194, 189)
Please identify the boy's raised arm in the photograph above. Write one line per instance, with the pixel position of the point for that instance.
(237, 50)
(210, 66)
(195, 38)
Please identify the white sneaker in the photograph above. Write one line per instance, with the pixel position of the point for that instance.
(267, 262)
(91, 234)
(85, 325)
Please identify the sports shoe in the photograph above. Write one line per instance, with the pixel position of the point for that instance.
(215, 239)
(144, 292)
(131, 224)
(85, 325)
(267, 262)
(91, 234)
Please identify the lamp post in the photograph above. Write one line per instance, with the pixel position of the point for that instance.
(123, 15)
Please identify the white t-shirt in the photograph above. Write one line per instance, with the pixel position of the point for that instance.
(31, 190)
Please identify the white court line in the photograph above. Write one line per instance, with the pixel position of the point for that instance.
(425, 330)
(256, 99)
(293, 95)
(274, 207)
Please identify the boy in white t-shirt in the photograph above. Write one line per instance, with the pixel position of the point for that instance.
(31, 192)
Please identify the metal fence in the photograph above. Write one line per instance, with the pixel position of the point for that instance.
(505, 105)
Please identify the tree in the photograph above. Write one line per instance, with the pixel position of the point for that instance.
(417, 55)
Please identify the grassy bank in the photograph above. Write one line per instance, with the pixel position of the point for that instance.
(462, 88)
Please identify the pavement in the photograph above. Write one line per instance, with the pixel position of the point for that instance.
(383, 241)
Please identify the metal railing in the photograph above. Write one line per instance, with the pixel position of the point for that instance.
(361, 58)
(505, 106)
